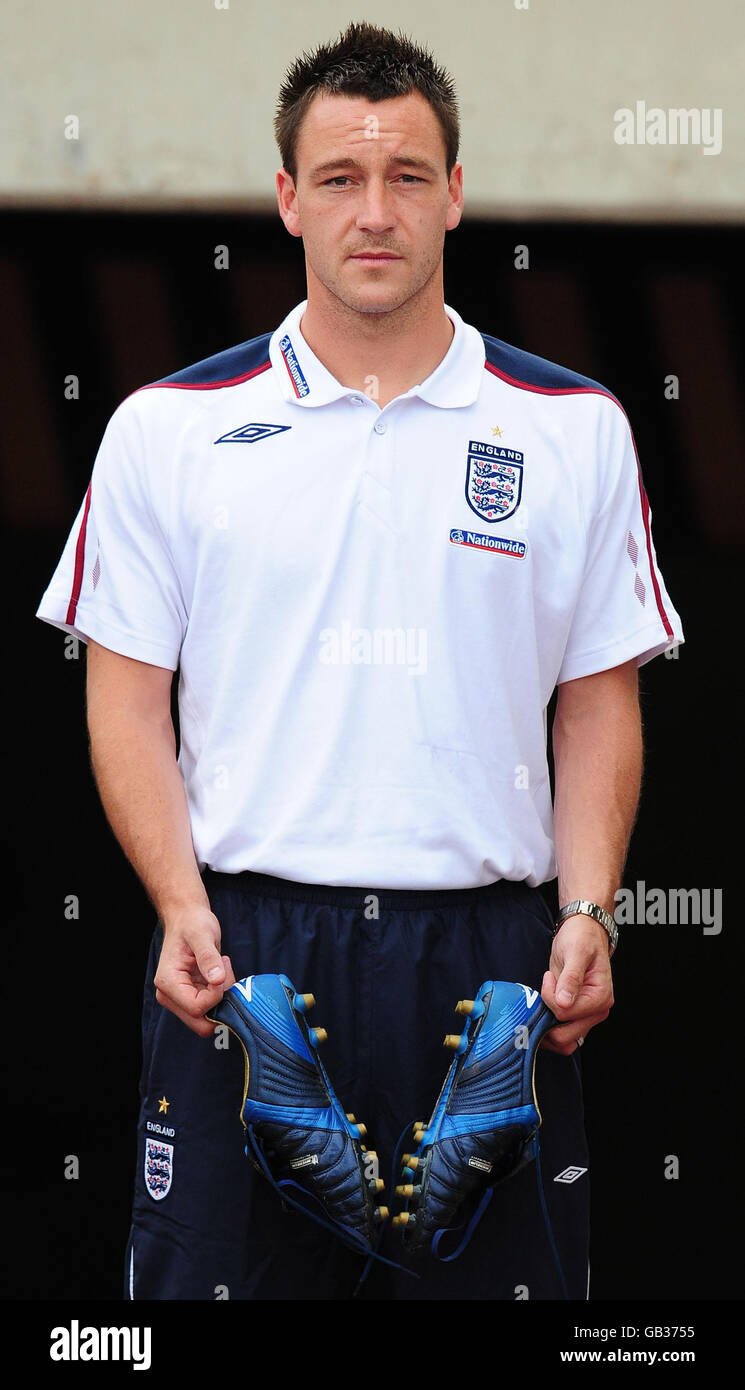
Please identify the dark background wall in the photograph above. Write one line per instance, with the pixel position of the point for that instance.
(120, 300)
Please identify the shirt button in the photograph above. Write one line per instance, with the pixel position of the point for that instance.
(356, 400)
(379, 426)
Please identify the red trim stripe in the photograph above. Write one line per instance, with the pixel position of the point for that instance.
(549, 390)
(648, 534)
(597, 391)
(206, 385)
(79, 562)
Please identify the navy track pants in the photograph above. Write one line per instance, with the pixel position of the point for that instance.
(386, 986)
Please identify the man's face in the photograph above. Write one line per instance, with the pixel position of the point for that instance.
(371, 178)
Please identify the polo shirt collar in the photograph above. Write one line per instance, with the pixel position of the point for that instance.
(304, 380)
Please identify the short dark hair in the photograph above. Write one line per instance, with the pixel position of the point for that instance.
(371, 62)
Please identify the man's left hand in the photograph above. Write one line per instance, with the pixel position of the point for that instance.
(578, 985)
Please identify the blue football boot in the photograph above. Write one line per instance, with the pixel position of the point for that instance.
(484, 1127)
(297, 1132)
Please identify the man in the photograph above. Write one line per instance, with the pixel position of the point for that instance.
(372, 542)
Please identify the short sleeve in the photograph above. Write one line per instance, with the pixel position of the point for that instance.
(116, 582)
(623, 609)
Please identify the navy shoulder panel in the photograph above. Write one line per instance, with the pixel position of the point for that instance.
(527, 370)
(224, 368)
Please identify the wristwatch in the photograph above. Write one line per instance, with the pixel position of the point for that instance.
(590, 910)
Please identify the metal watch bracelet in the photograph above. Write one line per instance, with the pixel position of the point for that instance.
(588, 909)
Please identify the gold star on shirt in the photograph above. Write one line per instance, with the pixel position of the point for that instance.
(163, 1105)
(496, 430)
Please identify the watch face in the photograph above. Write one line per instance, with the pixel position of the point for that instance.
(582, 907)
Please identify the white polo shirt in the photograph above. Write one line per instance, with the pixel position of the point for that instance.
(369, 608)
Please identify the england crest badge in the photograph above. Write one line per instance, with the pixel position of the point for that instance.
(494, 480)
(158, 1168)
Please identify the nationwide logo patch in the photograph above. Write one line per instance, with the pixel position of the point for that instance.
(158, 1168)
(251, 434)
(499, 545)
(494, 480)
(299, 383)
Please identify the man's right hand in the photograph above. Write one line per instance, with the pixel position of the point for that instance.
(192, 975)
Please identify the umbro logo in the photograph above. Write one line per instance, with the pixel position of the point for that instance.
(570, 1174)
(251, 434)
